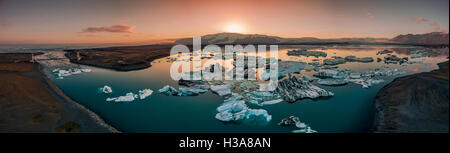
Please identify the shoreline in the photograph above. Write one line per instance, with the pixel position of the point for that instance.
(64, 99)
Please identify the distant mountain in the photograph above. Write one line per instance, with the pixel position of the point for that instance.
(237, 38)
(434, 38)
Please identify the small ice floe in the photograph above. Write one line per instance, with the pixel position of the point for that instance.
(61, 73)
(129, 97)
(145, 93)
(106, 89)
(294, 120)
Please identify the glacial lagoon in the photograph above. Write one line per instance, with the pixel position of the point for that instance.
(349, 110)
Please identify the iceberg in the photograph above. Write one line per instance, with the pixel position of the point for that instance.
(270, 102)
(187, 92)
(355, 75)
(329, 73)
(294, 120)
(295, 88)
(258, 113)
(334, 61)
(106, 89)
(332, 82)
(60, 73)
(145, 93)
(357, 59)
(129, 97)
(306, 130)
(262, 98)
(168, 90)
(221, 90)
(234, 109)
(384, 52)
(231, 111)
(304, 52)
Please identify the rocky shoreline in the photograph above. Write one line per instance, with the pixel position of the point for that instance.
(417, 103)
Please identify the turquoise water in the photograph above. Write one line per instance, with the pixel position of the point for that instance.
(350, 110)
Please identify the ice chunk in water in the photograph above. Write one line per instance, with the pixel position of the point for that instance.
(221, 90)
(129, 97)
(145, 93)
(234, 108)
(60, 73)
(106, 89)
(168, 90)
(187, 92)
(258, 113)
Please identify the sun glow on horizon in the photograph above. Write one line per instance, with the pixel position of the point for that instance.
(235, 28)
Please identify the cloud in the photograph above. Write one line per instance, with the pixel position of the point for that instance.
(419, 20)
(114, 29)
(6, 22)
(370, 15)
(436, 27)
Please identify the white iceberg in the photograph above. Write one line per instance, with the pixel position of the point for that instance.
(271, 102)
(129, 97)
(221, 90)
(305, 130)
(106, 89)
(234, 109)
(60, 73)
(145, 93)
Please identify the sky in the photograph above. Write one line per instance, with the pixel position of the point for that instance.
(139, 21)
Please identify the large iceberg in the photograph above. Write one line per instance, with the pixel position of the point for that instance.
(295, 88)
(234, 109)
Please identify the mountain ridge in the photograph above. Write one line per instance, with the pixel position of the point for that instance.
(434, 38)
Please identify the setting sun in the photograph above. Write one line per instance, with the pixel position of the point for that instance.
(235, 28)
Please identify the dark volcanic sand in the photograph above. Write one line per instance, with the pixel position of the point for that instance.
(415, 103)
(124, 58)
(29, 102)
